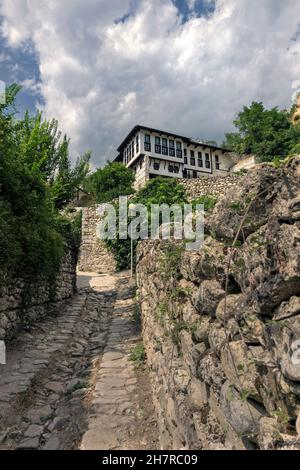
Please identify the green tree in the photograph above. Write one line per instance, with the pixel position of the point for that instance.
(42, 147)
(32, 232)
(110, 182)
(68, 179)
(267, 133)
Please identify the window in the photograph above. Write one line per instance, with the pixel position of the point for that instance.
(200, 161)
(171, 169)
(171, 148)
(157, 145)
(193, 162)
(185, 160)
(194, 174)
(137, 144)
(217, 162)
(192, 153)
(156, 166)
(207, 160)
(164, 146)
(178, 149)
(176, 169)
(132, 148)
(185, 152)
(147, 143)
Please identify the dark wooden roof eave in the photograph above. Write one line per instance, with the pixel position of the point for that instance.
(188, 140)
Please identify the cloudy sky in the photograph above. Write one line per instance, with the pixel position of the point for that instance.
(188, 66)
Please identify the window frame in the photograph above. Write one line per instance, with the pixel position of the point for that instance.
(207, 161)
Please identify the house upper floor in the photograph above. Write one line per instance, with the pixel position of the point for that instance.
(192, 157)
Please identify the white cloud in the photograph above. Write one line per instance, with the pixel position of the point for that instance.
(32, 85)
(101, 77)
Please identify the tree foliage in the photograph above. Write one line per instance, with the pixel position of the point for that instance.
(157, 191)
(161, 190)
(267, 133)
(110, 182)
(36, 179)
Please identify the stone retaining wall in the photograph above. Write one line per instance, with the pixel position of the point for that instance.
(221, 325)
(23, 302)
(210, 185)
(94, 256)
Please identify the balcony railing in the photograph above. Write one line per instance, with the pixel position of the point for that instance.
(171, 152)
(179, 153)
(147, 147)
(157, 148)
(165, 150)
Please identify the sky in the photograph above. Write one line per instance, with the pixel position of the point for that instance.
(186, 66)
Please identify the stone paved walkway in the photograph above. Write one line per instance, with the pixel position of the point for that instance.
(69, 383)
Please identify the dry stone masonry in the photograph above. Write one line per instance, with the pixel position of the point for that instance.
(210, 185)
(22, 302)
(68, 382)
(94, 256)
(221, 325)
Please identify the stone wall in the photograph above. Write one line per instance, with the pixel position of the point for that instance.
(210, 185)
(22, 302)
(221, 326)
(93, 256)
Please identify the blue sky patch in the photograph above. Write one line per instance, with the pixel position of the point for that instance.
(16, 66)
(201, 8)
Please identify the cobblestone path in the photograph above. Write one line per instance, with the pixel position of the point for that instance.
(68, 382)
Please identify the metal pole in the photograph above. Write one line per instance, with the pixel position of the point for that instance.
(131, 245)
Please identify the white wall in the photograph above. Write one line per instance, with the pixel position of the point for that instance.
(142, 173)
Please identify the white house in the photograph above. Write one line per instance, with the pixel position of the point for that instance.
(151, 152)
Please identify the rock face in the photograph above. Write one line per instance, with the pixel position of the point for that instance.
(94, 256)
(22, 301)
(221, 325)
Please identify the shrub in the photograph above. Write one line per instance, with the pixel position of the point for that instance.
(157, 191)
(138, 354)
(209, 202)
